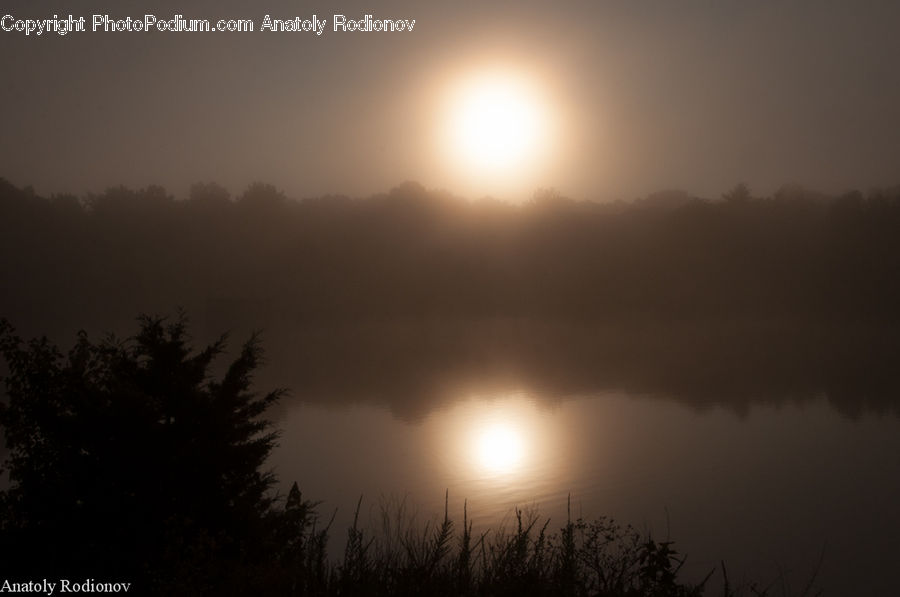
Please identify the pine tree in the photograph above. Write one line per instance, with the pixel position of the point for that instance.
(127, 458)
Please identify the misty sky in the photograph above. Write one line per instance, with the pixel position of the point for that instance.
(645, 96)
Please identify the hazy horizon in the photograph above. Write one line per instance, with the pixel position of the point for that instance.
(640, 96)
(234, 194)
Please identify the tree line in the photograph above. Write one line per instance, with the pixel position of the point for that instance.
(413, 252)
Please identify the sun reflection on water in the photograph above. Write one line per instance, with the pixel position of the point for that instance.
(494, 440)
(499, 447)
(500, 450)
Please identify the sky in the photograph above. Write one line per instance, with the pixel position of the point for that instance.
(634, 97)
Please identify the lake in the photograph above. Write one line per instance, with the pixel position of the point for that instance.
(772, 446)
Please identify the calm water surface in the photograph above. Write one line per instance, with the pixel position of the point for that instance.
(769, 476)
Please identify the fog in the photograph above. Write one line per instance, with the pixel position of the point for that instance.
(648, 95)
(411, 295)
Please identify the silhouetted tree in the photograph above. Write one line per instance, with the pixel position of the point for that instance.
(548, 199)
(126, 458)
(209, 193)
(262, 195)
(739, 194)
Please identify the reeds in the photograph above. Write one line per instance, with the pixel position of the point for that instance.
(597, 558)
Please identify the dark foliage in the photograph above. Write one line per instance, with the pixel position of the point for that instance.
(127, 459)
(418, 253)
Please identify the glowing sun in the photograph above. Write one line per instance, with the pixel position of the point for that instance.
(497, 123)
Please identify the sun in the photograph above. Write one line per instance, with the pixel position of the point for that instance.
(497, 123)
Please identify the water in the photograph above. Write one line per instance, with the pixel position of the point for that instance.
(750, 447)
(771, 446)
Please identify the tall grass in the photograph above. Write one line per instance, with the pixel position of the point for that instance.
(398, 556)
